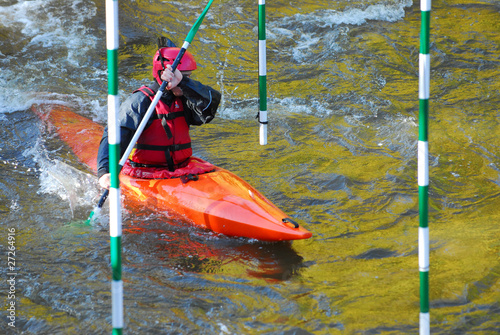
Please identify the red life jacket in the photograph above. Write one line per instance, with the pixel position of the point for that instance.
(166, 142)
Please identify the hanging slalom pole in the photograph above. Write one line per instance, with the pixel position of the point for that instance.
(115, 163)
(262, 73)
(115, 220)
(423, 166)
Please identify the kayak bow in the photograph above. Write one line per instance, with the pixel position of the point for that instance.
(218, 200)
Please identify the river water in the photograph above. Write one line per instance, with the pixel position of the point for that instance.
(341, 159)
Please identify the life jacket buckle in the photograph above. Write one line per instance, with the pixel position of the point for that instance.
(187, 177)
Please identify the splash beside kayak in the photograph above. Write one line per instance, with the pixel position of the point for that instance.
(217, 200)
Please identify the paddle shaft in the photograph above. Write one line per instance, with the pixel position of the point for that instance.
(157, 97)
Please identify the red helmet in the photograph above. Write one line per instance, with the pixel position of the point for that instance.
(165, 56)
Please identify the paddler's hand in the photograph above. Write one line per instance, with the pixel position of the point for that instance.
(172, 78)
(105, 181)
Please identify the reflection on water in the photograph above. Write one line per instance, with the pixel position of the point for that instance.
(343, 110)
(193, 250)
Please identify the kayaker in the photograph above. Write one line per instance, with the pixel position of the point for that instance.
(165, 143)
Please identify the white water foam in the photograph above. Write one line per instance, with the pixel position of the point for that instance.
(389, 12)
(76, 187)
(50, 24)
(307, 31)
(50, 45)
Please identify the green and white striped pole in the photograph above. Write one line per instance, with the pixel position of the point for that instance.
(423, 166)
(115, 164)
(115, 220)
(262, 73)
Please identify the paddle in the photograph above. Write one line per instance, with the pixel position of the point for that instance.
(152, 107)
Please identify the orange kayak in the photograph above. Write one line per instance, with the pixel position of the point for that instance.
(217, 200)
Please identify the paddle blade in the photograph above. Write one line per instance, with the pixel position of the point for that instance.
(198, 22)
(97, 209)
(93, 216)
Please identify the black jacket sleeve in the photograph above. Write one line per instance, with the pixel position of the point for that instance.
(132, 111)
(200, 101)
(103, 152)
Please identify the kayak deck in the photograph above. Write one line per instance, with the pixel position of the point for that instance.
(218, 200)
